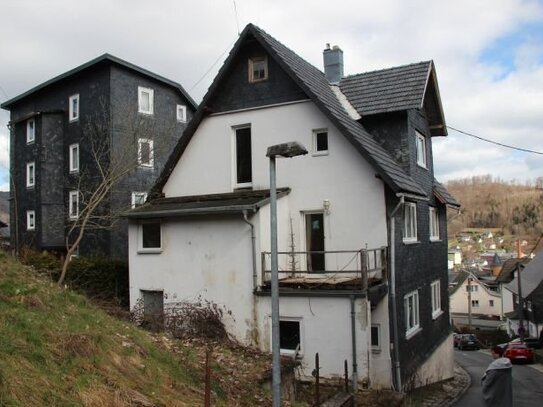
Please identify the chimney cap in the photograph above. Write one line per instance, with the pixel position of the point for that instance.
(327, 46)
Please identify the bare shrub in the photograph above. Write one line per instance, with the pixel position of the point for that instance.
(185, 319)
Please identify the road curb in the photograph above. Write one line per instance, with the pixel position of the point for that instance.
(462, 381)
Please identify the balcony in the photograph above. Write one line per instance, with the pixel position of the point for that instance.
(336, 271)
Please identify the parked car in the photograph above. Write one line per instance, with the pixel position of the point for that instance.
(519, 352)
(456, 339)
(468, 341)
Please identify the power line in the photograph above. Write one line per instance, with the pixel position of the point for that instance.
(525, 150)
(236, 14)
(212, 66)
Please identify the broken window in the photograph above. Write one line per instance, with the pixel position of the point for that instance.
(290, 337)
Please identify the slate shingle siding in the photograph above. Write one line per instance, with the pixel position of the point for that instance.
(107, 90)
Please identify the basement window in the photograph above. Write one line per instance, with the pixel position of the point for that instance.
(258, 69)
(290, 340)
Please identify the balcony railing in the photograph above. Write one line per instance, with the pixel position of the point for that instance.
(335, 270)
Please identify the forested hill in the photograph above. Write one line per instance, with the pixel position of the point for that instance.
(493, 203)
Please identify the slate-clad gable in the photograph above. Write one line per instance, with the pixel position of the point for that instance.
(236, 92)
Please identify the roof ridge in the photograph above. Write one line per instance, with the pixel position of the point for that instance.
(387, 69)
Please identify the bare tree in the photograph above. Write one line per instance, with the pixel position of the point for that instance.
(112, 151)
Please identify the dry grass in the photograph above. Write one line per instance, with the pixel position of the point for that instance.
(56, 349)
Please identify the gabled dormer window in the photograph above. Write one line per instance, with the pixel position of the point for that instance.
(421, 150)
(258, 69)
(30, 131)
(73, 109)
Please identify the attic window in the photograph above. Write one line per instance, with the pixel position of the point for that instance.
(421, 150)
(258, 69)
(320, 142)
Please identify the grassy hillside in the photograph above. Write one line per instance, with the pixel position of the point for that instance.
(56, 349)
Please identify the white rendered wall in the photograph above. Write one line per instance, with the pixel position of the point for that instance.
(380, 362)
(439, 366)
(459, 300)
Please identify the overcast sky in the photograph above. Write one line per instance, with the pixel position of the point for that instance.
(488, 55)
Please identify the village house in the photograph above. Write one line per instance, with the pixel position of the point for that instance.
(361, 220)
(58, 128)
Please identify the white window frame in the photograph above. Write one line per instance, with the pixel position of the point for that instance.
(409, 222)
(422, 159)
(30, 220)
(150, 92)
(301, 328)
(135, 195)
(142, 249)
(316, 152)
(151, 162)
(435, 288)
(30, 131)
(181, 113)
(411, 305)
(434, 223)
(74, 157)
(252, 61)
(30, 174)
(73, 113)
(73, 202)
(235, 157)
(475, 304)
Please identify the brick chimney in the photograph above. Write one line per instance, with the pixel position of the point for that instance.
(333, 63)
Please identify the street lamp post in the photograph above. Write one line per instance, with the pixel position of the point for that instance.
(288, 150)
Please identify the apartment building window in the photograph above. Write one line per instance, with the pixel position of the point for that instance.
(74, 157)
(145, 100)
(30, 175)
(30, 220)
(150, 237)
(30, 131)
(320, 142)
(421, 150)
(475, 303)
(435, 288)
(138, 198)
(258, 69)
(181, 113)
(243, 158)
(145, 153)
(73, 205)
(410, 222)
(434, 224)
(73, 103)
(411, 309)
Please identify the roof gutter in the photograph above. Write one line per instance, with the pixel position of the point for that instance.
(403, 195)
(189, 212)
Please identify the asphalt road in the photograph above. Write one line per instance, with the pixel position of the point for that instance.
(527, 380)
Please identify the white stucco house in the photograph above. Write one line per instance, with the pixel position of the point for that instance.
(361, 220)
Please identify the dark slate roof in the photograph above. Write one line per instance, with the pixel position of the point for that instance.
(531, 277)
(444, 196)
(313, 82)
(238, 201)
(388, 90)
(508, 267)
(106, 58)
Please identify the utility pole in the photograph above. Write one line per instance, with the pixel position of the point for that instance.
(520, 304)
(469, 303)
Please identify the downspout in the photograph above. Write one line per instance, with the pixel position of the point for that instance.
(354, 377)
(253, 246)
(395, 335)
